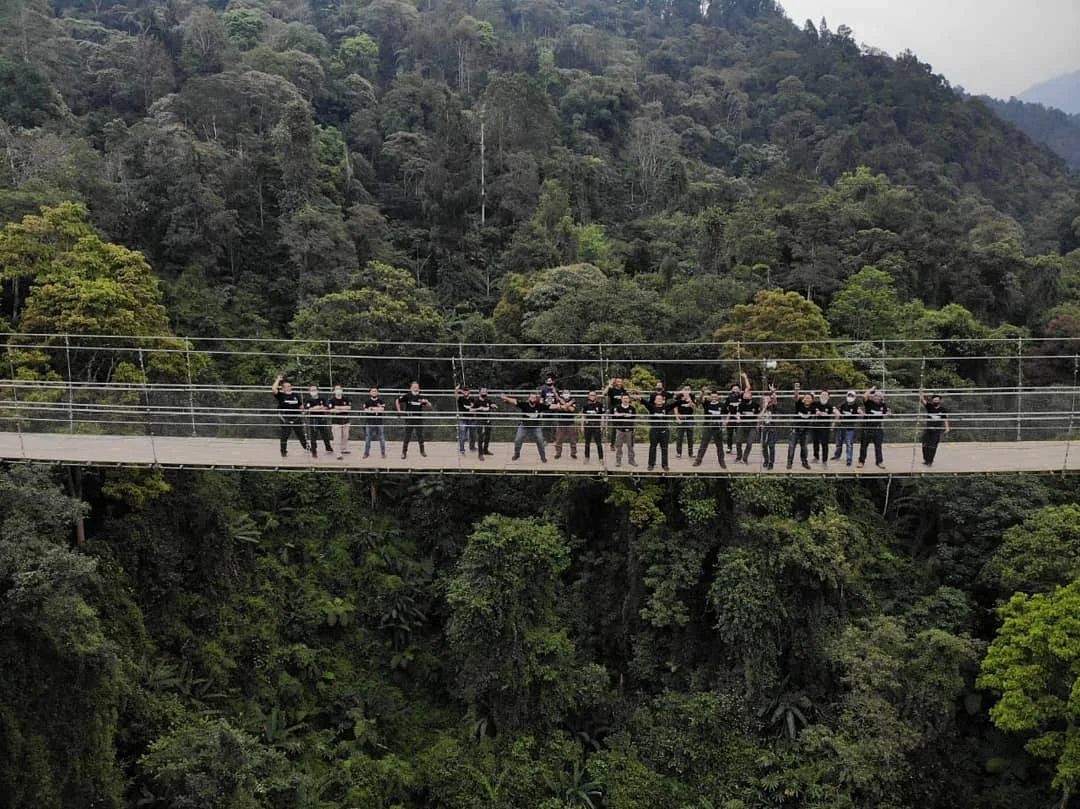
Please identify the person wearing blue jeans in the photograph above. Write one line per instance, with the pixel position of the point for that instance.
(374, 427)
(800, 431)
(530, 428)
(466, 419)
(846, 423)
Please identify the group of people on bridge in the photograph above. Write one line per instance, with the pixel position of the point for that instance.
(734, 421)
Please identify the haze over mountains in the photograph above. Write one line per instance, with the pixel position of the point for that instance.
(1062, 92)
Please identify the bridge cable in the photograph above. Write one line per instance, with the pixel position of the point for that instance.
(149, 414)
(191, 386)
(70, 391)
(1072, 411)
(15, 399)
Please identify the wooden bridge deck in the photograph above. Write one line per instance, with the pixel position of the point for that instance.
(960, 458)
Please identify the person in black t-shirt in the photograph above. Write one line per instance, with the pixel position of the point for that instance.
(592, 424)
(937, 425)
(549, 395)
(624, 417)
(874, 410)
(412, 404)
(846, 423)
(685, 404)
(824, 418)
(767, 423)
(614, 393)
(314, 408)
(733, 399)
(565, 429)
(715, 410)
(661, 416)
(531, 411)
(339, 406)
(466, 422)
(800, 432)
(482, 408)
(374, 422)
(748, 425)
(290, 407)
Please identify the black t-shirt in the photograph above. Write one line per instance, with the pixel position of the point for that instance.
(935, 416)
(371, 405)
(685, 407)
(874, 414)
(530, 412)
(464, 403)
(660, 416)
(614, 396)
(411, 402)
(312, 402)
(548, 394)
(849, 411)
(803, 413)
(482, 406)
(658, 393)
(593, 411)
(339, 416)
(288, 403)
(714, 412)
(823, 412)
(624, 416)
(568, 407)
(748, 411)
(732, 403)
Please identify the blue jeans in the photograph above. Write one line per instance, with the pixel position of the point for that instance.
(845, 439)
(466, 428)
(372, 430)
(532, 433)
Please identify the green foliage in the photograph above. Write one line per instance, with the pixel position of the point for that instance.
(1032, 665)
(1040, 554)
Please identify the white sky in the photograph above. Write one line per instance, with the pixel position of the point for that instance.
(997, 47)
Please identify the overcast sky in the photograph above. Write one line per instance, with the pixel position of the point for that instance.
(998, 47)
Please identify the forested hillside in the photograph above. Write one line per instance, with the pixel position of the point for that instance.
(534, 172)
(1051, 126)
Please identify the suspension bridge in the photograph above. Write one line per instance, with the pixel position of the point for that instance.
(181, 403)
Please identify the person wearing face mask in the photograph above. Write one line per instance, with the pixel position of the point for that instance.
(768, 427)
(339, 406)
(846, 423)
(824, 416)
(290, 406)
(800, 431)
(715, 416)
(314, 407)
(412, 404)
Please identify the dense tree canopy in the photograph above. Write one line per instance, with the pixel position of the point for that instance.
(549, 171)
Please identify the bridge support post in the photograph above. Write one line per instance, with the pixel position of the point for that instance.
(70, 391)
(1019, 386)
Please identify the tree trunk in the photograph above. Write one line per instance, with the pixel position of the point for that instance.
(75, 489)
